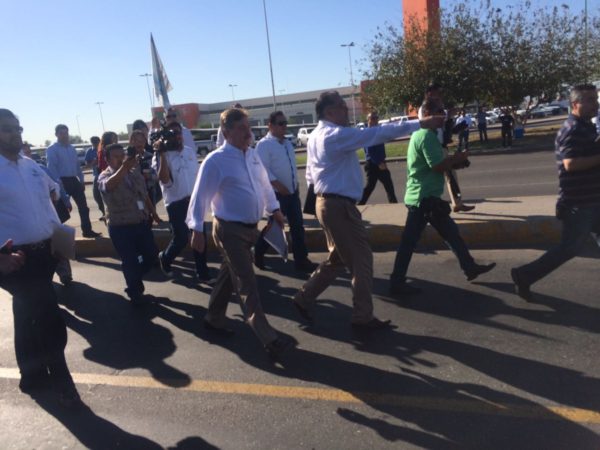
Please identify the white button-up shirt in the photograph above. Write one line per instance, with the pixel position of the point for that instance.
(27, 215)
(183, 167)
(234, 184)
(279, 158)
(332, 163)
(62, 161)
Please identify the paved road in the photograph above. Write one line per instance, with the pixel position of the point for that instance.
(469, 366)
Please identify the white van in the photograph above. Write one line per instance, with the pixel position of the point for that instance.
(302, 137)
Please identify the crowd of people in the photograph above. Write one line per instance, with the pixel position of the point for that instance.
(239, 184)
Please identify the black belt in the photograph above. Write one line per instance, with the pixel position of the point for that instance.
(341, 197)
(235, 222)
(35, 247)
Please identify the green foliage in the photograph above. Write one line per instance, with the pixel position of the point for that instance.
(483, 54)
(75, 139)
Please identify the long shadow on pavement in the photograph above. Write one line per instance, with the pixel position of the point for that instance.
(120, 336)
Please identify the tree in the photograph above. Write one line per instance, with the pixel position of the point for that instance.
(123, 136)
(482, 54)
(74, 139)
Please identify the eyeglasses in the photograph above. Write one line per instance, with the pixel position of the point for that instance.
(282, 123)
(8, 129)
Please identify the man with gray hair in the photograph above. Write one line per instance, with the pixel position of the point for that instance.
(333, 167)
(578, 205)
(233, 182)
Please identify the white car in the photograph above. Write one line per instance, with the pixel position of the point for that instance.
(491, 117)
(302, 137)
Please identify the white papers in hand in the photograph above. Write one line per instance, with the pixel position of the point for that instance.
(275, 236)
(63, 241)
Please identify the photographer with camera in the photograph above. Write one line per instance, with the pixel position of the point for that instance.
(426, 164)
(129, 216)
(177, 167)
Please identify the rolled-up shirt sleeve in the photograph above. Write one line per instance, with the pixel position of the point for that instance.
(205, 188)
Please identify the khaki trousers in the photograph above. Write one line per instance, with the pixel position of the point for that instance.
(349, 247)
(236, 275)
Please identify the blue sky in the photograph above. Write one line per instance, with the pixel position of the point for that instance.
(62, 56)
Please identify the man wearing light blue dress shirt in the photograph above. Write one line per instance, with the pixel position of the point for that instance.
(278, 156)
(333, 167)
(63, 164)
(27, 265)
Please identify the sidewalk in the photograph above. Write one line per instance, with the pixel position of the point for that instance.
(498, 222)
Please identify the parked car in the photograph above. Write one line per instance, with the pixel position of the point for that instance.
(302, 137)
(81, 156)
(491, 117)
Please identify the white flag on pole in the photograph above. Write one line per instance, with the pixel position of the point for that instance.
(161, 82)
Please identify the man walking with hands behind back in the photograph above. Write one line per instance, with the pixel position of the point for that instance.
(233, 182)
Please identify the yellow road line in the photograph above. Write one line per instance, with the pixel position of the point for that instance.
(337, 395)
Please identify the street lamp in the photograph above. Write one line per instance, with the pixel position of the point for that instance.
(269, 49)
(350, 45)
(101, 118)
(232, 91)
(146, 76)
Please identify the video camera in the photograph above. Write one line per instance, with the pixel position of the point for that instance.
(166, 135)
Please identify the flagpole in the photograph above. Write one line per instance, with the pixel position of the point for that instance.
(270, 62)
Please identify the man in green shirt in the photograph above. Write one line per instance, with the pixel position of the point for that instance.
(426, 164)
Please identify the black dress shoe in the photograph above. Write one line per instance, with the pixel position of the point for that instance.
(259, 261)
(305, 265)
(521, 288)
(373, 324)
(66, 280)
(91, 234)
(219, 331)
(479, 269)
(404, 289)
(278, 347)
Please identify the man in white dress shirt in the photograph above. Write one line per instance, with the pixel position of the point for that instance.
(177, 166)
(27, 265)
(188, 138)
(333, 167)
(278, 156)
(233, 183)
(63, 164)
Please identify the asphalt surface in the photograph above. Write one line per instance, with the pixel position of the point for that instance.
(469, 366)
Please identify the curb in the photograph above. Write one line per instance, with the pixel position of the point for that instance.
(534, 231)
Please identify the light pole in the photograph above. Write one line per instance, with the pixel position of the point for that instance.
(146, 76)
(350, 45)
(232, 91)
(78, 127)
(101, 118)
(269, 48)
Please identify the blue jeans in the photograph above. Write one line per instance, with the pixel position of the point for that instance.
(577, 225)
(131, 242)
(177, 212)
(291, 208)
(416, 221)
